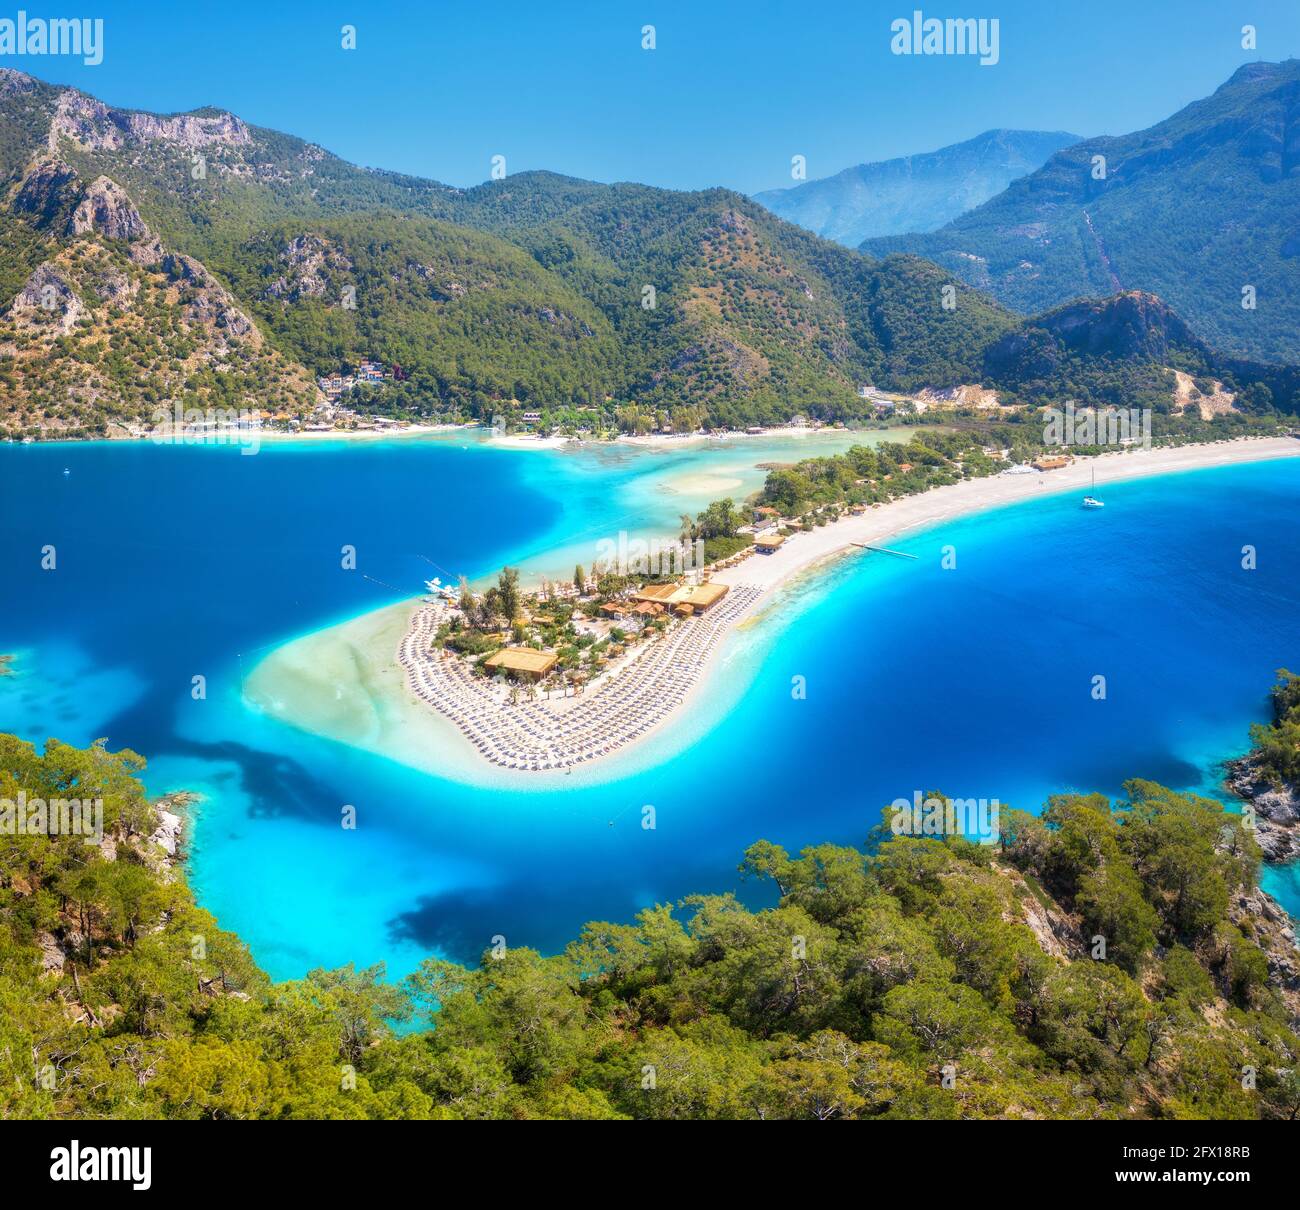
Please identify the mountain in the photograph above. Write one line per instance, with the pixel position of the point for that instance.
(533, 291)
(1122, 351)
(194, 259)
(1194, 209)
(110, 323)
(915, 192)
(745, 304)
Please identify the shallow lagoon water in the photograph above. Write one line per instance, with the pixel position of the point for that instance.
(977, 681)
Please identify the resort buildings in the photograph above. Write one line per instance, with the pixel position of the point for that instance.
(525, 661)
(682, 599)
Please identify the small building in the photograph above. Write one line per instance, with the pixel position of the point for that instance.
(704, 596)
(659, 594)
(769, 543)
(1052, 462)
(668, 596)
(525, 661)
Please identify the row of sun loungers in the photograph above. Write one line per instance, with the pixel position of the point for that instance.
(618, 707)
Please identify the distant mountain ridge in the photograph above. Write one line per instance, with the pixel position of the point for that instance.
(915, 192)
(1202, 209)
(153, 260)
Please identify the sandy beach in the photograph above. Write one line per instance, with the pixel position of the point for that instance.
(940, 504)
(678, 441)
(346, 681)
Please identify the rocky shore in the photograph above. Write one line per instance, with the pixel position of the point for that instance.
(1276, 809)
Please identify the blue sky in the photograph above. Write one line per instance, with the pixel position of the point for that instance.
(731, 92)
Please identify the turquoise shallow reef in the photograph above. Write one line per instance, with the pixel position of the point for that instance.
(976, 680)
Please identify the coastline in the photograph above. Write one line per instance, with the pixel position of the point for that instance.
(371, 705)
(509, 441)
(900, 517)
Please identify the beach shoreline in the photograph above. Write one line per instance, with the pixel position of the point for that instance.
(379, 711)
(910, 513)
(525, 441)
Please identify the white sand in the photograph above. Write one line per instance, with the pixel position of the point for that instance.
(878, 525)
(675, 440)
(344, 682)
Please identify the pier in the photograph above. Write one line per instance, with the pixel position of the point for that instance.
(884, 550)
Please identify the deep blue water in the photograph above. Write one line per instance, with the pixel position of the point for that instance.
(976, 681)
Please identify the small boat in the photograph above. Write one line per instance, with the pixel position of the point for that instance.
(1092, 501)
(66, 471)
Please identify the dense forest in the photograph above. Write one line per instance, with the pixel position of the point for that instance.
(1277, 744)
(1103, 959)
(600, 306)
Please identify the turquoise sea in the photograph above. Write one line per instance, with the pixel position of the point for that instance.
(177, 562)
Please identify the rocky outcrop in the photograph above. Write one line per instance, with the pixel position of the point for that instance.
(13, 83)
(440, 285)
(1276, 809)
(46, 192)
(106, 210)
(52, 189)
(171, 826)
(47, 299)
(97, 127)
(1263, 920)
(310, 261)
(1058, 934)
(208, 301)
(53, 959)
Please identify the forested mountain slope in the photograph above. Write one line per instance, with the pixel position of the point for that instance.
(1195, 209)
(274, 262)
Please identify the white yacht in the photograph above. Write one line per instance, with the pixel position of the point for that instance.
(1092, 501)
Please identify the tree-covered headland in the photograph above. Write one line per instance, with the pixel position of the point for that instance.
(906, 978)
